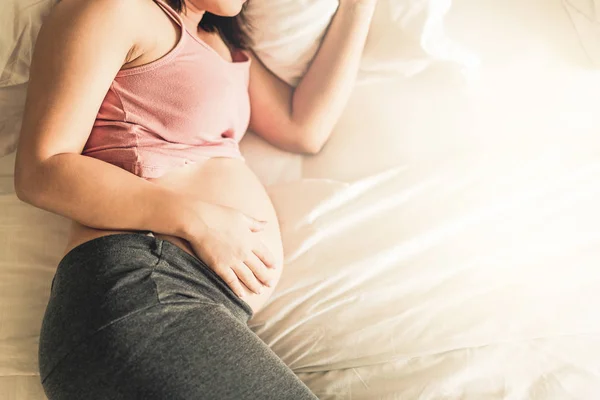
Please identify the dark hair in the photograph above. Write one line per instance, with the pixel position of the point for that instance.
(230, 28)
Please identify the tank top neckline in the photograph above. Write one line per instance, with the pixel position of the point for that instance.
(185, 35)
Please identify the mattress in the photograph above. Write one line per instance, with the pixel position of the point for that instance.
(444, 245)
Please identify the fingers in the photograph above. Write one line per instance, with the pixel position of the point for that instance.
(247, 277)
(265, 255)
(258, 268)
(252, 274)
(254, 224)
(232, 280)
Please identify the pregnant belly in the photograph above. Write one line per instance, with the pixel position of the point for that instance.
(223, 181)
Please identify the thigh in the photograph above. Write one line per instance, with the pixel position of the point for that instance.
(185, 350)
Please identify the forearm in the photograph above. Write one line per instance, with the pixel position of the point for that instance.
(103, 196)
(319, 99)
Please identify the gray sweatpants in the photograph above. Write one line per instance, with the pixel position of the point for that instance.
(132, 317)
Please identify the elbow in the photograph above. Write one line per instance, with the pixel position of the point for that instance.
(310, 149)
(21, 189)
(310, 143)
(25, 187)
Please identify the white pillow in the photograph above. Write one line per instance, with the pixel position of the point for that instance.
(12, 104)
(20, 22)
(286, 34)
(406, 36)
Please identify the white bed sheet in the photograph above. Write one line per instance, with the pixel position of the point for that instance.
(445, 244)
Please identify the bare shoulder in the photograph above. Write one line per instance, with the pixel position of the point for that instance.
(114, 16)
(98, 9)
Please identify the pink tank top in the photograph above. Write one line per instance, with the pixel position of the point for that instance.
(187, 106)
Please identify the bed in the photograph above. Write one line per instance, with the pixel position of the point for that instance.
(444, 245)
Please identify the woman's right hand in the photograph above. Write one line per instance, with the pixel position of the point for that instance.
(227, 240)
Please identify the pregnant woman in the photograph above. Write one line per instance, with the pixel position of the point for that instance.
(134, 113)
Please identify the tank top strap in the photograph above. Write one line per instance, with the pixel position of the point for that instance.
(171, 13)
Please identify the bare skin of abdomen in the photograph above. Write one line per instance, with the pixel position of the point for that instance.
(224, 181)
